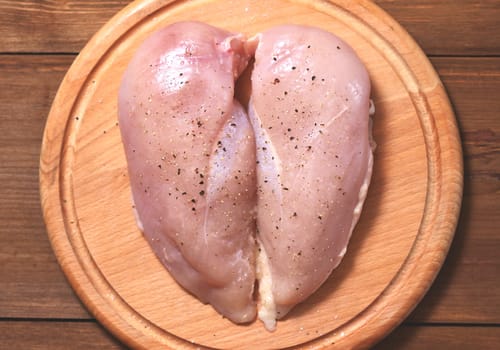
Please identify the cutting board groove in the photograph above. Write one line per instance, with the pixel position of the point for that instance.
(396, 250)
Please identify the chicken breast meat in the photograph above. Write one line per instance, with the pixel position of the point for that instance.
(230, 200)
(310, 113)
(191, 160)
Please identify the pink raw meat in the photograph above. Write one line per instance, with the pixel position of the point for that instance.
(227, 199)
(191, 159)
(310, 113)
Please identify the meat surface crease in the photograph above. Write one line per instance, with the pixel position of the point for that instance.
(230, 200)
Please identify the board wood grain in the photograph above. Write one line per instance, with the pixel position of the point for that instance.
(396, 250)
(52, 25)
(446, 27)
(443, 337)
(31, 282)
(450, 27)
(57, 335)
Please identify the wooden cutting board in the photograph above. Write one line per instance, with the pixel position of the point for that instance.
(396, 250)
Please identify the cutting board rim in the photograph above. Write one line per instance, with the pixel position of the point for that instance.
(443, 198)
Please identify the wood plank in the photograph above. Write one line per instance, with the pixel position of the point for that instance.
(55, 335)
(411, 337)
(467, 289)
(31, 281)
(52, 25)
(447, 27)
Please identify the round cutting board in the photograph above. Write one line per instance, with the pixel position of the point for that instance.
(396, 249)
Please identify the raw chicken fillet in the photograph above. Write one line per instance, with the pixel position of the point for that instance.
(191, 159)
(310, 113)
(227, 198)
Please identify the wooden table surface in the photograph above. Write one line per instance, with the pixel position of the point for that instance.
(40, 39)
